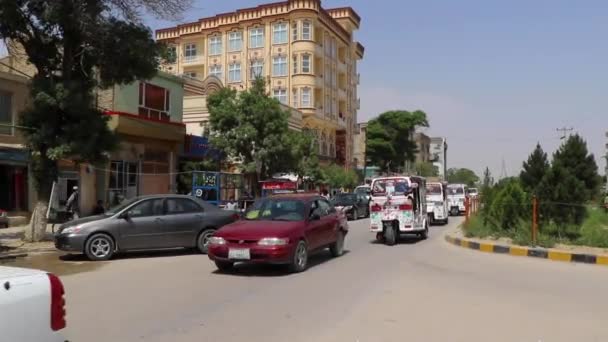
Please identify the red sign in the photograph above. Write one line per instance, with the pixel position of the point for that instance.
(279, 186)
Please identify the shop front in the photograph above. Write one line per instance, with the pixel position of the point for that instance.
(14, 180)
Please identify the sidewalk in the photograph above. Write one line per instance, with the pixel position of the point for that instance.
(12, 244)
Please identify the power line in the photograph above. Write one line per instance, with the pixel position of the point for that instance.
(565, 131)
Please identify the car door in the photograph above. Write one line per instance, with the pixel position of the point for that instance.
(143, 225)
(184, 219)
(314, 227)
(329, 221)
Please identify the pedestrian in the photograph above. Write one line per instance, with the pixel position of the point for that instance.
(99, 209)
(231, 205)
(72, 204)
(325, 194)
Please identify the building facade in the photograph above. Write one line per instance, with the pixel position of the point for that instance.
(439, 155)
(360, 143)
(423, 144)
(306, 53)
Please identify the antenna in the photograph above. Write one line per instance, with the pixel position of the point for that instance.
(503, 171)
(563, 131)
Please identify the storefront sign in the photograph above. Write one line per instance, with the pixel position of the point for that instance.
(14, 155)
(279, 186)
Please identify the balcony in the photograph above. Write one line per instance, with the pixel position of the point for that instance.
(342, 93)
(193, 60)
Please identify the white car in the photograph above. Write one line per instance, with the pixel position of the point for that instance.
(456, 198)
(32, 306)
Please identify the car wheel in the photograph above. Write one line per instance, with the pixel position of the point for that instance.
(202, 243)
(99, 247)
(390, 236)
(455, 212)
(355, 214)
(337, 248)
(300, 258)
(446, 221)
(425, 234)
(224, 265)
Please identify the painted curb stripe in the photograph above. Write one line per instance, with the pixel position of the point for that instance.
(584, 258)
(473, 245)
(518, 251)
(501, 249)
(538, 253)
(560, 256)
(602, 260)
(486, 247)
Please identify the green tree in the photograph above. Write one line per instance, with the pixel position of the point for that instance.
(302, 155)
(534, 169)
(426, 169)
(75, 46)
(337, 177)
(462, 176)
(562, 197)
(250, 127)
(509, 205)
(390, 138)
(574, 157)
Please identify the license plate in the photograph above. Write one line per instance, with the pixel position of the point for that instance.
(240, 254)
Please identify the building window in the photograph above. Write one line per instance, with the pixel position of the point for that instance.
(215, 45)
(306, 63)
(281, 95)
(307, 30)
(216, 70)
(257, 69)
(256, 38)
(279, 66)
(234, 72)
(191, 74)
(154, 102)
(295, 64)
(189, 52)
(235, 41)
(172, 54)
(294, 100)
(294, 31)
(279, 33)
(6, 113)
(306, 100)
(327, 104)
(333, 48)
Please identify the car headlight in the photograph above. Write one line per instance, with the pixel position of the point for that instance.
(273, 242)
(71, 230)
(216, 240)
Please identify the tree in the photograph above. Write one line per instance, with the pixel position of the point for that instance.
(463, 176)
(488, 180)
(534, 169)
(302, 155)
(574, 157)
(426, 169)
(250, 127)
(509, 205)
(562, 197)
(337, 177)
(75, 46)
(389, 138)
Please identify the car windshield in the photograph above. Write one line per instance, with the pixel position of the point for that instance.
(116, 209)
(456, 191)
(433, 189)
(390, 186)
(362, 190)
(344, 199)
(276, 209)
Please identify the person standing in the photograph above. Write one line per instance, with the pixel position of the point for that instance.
(231, 205)
(72, 204)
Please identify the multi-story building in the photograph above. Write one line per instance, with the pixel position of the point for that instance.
(439, 154)
(360, 145)
(306, 53)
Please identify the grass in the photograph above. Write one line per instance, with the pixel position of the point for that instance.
(593, 232)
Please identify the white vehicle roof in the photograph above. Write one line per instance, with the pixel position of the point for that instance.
(15, 272)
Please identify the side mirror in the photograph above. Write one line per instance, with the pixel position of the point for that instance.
(315, 217)
(125, 215)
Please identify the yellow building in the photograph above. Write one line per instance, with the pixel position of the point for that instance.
(307, 54)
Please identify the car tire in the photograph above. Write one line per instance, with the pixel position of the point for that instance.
(454, 212)
(446, 221)
(202, 240)
(299, 261)
(224, 266)
(390, 236)
(425, 234)
(99, 247)
(355, 214)
(337, 248)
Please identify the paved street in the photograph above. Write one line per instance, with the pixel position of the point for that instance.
(415, 291)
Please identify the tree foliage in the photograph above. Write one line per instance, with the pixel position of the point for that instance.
(337, 177)
(390, 138)
(488, 180)
(463, 176)
(509, 204)
(426, 169)
(534, 169)
(573, 155)
(301, 156)
(75, 46)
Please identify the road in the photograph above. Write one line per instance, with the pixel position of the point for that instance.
(415, 291)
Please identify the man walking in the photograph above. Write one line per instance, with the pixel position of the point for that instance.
(73, 204)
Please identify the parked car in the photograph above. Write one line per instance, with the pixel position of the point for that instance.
(365, 191)
(32, 305)
(145, 223)
(283, 229)
(3, 219)
(352, 205)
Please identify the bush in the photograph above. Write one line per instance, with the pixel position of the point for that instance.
(509, 206)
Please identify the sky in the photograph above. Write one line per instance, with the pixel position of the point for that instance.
(494, 77)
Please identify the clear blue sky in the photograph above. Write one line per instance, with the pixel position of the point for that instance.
(494, 77)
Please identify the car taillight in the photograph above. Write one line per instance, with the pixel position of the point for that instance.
(376, 207)
(57, 303)
(405, 207)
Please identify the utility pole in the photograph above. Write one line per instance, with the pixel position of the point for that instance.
(503, 171)
(565, 131)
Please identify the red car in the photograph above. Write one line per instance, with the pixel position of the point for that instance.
(283, 229)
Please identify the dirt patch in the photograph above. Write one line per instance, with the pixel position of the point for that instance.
(54, 262)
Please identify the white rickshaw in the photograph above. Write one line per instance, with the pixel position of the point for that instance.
(397, 207)
(456, 198)
(437, 203)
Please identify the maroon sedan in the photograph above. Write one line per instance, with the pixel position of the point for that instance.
(282, 229)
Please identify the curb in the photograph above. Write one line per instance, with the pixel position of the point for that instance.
(533, 252)
(12, 256)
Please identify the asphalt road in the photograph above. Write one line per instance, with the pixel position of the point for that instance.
(414, 291)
